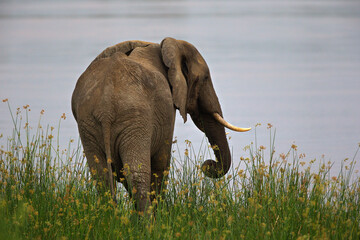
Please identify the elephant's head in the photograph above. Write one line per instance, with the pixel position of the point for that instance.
(193, 93)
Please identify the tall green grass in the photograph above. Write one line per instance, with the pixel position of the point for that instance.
(47, 193)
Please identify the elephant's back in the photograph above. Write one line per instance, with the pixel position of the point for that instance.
(117, 83)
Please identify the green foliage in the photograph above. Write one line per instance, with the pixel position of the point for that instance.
(47, 193)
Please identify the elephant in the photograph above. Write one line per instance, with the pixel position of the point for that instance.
(125, 104)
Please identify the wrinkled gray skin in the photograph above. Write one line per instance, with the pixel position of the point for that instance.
(124, 105)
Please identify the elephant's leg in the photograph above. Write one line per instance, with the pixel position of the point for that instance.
(96, 160)
(135, 156)
(99, 170)
(160, 164)
(138, 180)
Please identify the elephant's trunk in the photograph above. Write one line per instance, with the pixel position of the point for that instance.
(215, 132)
(209, 119)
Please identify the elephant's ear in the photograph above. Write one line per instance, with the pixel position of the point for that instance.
(172, 58)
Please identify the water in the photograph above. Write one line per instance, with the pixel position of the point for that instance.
(295, 64)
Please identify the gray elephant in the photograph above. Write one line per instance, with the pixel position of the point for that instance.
(125, 102)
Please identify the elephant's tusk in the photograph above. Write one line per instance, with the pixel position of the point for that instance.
(228, 125)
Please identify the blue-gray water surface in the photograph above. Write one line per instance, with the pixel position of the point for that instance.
(294, 64)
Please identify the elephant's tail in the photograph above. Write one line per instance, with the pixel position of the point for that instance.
(106, 133)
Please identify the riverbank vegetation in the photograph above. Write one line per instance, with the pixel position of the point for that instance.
(47, 193)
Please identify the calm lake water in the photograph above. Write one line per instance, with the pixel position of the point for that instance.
(294, 64)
